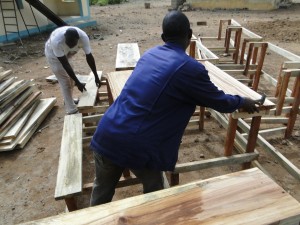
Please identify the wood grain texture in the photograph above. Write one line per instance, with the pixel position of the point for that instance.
(127, 56)
(247, 197)
(40, 112)
(69, 175)
(116, 81)
(88, 97)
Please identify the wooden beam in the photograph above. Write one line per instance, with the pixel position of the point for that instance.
(220, 161)
(88, 97)
(69, 175)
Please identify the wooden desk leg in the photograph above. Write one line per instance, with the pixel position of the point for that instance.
(252, 138)
(201, 118)
(173, 178)
(71, 204)
(126, 173)
(229, 141)
(109, 95)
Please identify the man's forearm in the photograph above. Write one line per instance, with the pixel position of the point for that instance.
(66, 65)
(91, 62)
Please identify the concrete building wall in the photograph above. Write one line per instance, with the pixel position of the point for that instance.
(235, 4)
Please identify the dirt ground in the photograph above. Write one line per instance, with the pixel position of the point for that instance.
(28, 176)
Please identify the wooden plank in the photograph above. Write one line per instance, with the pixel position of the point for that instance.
(40, 113)
(220, 161)
(252, 196)
(116, 81)
(12, 106)
(92, 118)
(5, 74)
(82, 78)
(31, 100)
(15, 129)
(12, 91)
(7, 83)
(88, 98)
(95, 109)
(269, 132)
(69, 175)
(284, 53)
(127, 56)
(43, 108)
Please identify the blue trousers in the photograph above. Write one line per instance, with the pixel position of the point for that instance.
(108, 175)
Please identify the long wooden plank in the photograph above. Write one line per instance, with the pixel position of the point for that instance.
(6, 83)
(9, 109)
(13, 91)
(81, 78)
(69, 175)
(15, 129)
(5, 74)
(220, 161)
(88, 97)
(116, 81)
(127, 56)
(36, 119)
(31, 100)
(254, 199)
(43, 108)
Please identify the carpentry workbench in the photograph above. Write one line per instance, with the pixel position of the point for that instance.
(248, 197)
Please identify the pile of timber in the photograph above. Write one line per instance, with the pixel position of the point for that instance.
(21, 110)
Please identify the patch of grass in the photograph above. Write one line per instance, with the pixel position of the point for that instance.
(105, 2)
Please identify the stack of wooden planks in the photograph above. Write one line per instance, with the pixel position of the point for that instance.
(21, 110)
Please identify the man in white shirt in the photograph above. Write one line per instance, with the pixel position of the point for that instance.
(63, 43)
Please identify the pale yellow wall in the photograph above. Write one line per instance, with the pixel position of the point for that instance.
(235, 4)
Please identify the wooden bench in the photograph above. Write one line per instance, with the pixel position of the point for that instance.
(246, 197)
(127, 56)
(69, 175)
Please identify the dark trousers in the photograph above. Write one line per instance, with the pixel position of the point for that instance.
(108, 175)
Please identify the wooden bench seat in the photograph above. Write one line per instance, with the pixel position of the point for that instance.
(69, 175)
(127, 56)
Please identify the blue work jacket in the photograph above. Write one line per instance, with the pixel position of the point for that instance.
(144, 126)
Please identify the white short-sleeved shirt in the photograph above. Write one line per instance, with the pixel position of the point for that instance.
(56, 45)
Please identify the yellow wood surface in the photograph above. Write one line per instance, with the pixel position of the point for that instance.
(116, 81)
(245, 197)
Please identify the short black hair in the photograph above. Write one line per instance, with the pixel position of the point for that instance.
(175, 25)
(71, 34)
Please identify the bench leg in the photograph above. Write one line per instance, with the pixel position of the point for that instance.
(71, 204)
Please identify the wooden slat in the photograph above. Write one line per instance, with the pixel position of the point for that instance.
(220, 161)
(15, 129)
(116, 81)
(5, 74)
(31, 100)
(69, 175)
(12, 106)
(39, 114)
(6, 83)
(247, 197)
(88, 97)
(127, 56)
(13, 90)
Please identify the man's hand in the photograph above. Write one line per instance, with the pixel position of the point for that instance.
(80, 86)
(97, 81)
(250, 105)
